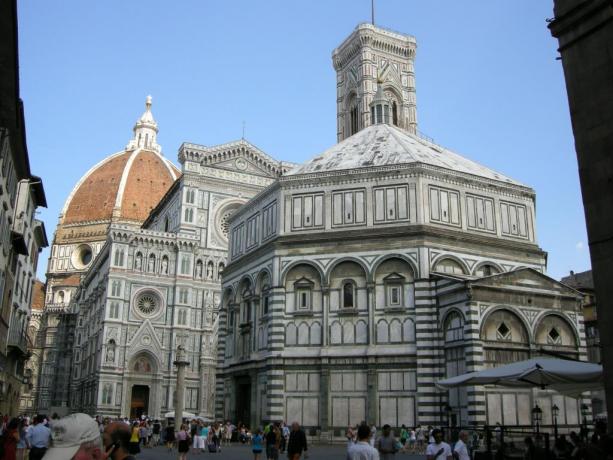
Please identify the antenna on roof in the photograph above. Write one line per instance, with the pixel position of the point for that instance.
(243, 130)
(372, 11)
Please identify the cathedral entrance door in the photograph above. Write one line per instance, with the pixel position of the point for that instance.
(243, 401)
(139, 403)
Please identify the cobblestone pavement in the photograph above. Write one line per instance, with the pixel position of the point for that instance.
(236, 452)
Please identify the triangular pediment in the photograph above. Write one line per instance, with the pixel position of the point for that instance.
(244, 157)
(528, 279)
(145, 337)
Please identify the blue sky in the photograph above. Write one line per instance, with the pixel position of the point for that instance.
(488, 86)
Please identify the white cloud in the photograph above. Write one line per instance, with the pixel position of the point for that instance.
(579, 245)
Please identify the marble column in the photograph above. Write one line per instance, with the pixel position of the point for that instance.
(181, 362)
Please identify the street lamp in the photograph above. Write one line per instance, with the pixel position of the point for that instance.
(537, 416)
(555, 410)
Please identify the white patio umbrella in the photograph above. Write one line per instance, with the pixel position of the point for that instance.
(187, 415)
(571, 378)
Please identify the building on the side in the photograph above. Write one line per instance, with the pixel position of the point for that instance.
(359, 279)
(584, 283)
(29, 394)
(584, 30)
(22, 236)
(136, 277)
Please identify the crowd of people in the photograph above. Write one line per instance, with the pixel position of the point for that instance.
(81, 437)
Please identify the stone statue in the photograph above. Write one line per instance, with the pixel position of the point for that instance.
(151, 266)
(138, 263)
(110, 353)
(209, 271)
(164, 265)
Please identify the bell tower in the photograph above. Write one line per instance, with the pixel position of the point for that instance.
(371, 57)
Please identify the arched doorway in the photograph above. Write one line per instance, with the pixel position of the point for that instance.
(139, 401)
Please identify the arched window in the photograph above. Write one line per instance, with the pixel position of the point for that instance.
(454, 328)
(395, 113)
(118, 259)
(349, 294)
(449, 266)
(486, 270)
(166, 224)
(354, 119)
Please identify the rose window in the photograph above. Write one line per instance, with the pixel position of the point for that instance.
(147, 303)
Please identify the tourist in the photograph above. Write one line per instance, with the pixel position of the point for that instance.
(273, 441)
(228, 432)
(116, 440)
(284, 437)
(22, 444)
(10, 439)
(143, 434)
(134, 439)
(38, 438)
(412, 440)
(203, 436)
(404, 436)
(183, 442)
(156, 430)
(373, 434)
(195, 429)
(438, 450)
(420, 436)
(170, 436)
(361, 449)
(460, 450)
(387, 444)
(297, 443)
(350, 435)
(75, 437)
(256, 444)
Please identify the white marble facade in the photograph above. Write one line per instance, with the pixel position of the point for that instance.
(155, 286)
(360, 278)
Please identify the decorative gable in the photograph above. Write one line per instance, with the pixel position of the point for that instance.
(145, 338)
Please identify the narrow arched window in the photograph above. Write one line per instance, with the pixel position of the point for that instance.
(354, 119)
(394, 113)
(348, 295)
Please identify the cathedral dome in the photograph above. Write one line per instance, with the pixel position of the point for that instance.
(126, 185)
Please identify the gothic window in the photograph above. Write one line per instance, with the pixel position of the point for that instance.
(166, 224)
(354, 118)
(348, 294)
(190, 196)
(138, 261)
(183, 295)
(116, 288)
(107, 393)
(118, 258)
(114, 310)
(182, 317)
(185, 269)
(394, 113)
(189, 215)
(151, 264)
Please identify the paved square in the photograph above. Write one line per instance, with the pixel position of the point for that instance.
(236, 452)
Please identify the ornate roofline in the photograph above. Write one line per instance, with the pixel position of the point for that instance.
(401, 45)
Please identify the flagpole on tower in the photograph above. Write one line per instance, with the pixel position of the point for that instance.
(372, 11)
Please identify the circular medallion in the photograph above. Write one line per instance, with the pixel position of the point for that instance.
(241, 164)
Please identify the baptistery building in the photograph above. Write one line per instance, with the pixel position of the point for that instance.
(359, 279)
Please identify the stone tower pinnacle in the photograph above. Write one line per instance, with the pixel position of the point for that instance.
(369, 59)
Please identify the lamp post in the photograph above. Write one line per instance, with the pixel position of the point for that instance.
(585, 410)
(555, 410)
(537, 416)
